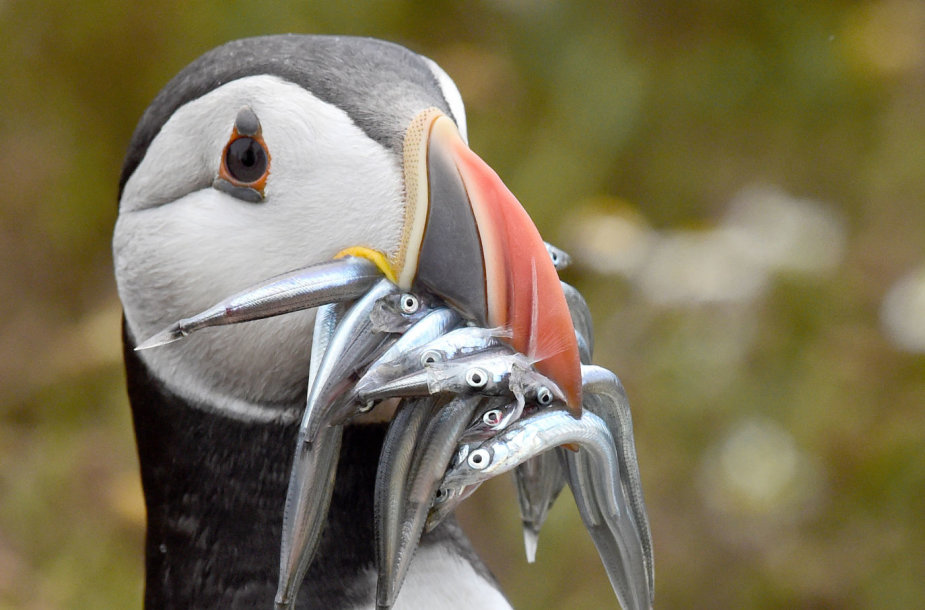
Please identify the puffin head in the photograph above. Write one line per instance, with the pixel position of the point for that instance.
(269, 154)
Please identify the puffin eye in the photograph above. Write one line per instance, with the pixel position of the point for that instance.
(476, 378)
(409, 303)
(245, 160)
(479, 459)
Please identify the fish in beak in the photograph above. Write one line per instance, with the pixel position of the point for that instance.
(465, 238)
(468, 240)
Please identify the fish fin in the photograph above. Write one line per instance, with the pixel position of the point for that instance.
(531, 537)
(501, 332)
(555, 345)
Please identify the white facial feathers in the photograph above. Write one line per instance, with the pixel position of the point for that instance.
(180, 245)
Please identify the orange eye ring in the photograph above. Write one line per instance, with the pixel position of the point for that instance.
(245, 163)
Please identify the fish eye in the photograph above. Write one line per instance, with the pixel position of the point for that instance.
(492, 417)
(409, 303)
(476, 378)
(442, 495)
(479, 459)
(430, 356)
(543, 395)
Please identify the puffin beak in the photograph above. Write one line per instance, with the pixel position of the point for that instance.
(465, 238)
(468, 240)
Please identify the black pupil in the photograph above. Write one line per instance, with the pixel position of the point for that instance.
(246, 160)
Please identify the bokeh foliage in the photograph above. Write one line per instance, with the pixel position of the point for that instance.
(658, 111)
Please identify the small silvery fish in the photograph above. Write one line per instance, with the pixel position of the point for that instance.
(311, 480)
(334, 281)
(354, 344)
(551, 428)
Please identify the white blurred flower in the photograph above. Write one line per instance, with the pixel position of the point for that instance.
(784, 233)
(902, 313)
(611, 243)
(764, 231)
(699, 267)
(758, 471)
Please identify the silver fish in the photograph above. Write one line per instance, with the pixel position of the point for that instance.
(392, 476)
(492, 372)
(352, 347)
(334, 281)
(581, 320)
(431, 456)
(451, 345)
(396, 312)
(536, 491)
(495, 414)
(526, 384)
(311, 480)
(486, 372)
(436, 323)
(611, 547)
(560, 258)
(539, 481)
(446, 499)
(527, 437)
(578, 469)
(607, 399)
(551, 428)
(445, 502)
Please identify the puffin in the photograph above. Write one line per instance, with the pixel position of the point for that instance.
(265, 155)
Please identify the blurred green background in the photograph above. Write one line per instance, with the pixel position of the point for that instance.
(740, 184)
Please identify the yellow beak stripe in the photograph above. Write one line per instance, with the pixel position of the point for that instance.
(377, 258)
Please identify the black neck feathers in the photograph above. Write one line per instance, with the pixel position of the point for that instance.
(214, 491)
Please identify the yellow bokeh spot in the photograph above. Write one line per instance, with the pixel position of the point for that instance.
(886, 37)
